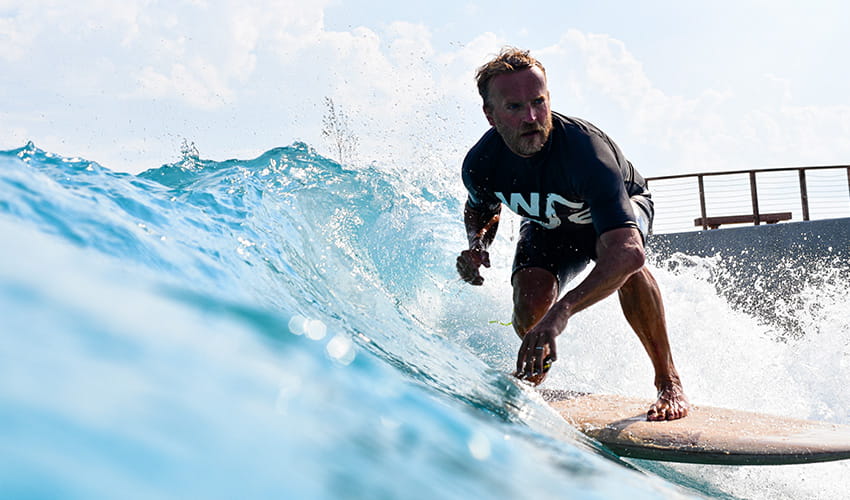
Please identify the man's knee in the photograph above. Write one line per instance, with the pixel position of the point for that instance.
(533, 284)
(535, 290)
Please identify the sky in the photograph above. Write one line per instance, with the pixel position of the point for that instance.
(681, 86)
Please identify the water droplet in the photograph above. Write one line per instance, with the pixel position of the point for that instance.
(315, 329)
(296, 325)
(341, 349)
(479, 446)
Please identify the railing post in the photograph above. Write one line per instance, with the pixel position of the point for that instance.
(848, 178)
(755, 197)
(702, 201)
(648, 188)
(804, 194)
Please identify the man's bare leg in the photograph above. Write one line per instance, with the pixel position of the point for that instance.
(644, 310)
(535, 290)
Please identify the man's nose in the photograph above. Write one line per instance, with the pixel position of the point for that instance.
(529, 114)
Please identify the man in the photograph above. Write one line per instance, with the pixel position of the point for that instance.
(581, 200)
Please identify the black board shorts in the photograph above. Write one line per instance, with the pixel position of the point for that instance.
(566, 251)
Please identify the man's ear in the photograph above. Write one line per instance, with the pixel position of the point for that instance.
(488, 114)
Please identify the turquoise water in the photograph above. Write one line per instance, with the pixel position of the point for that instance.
(287, 327)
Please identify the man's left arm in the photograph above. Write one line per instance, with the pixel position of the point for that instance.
(619, 255)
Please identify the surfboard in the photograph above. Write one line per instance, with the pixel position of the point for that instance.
(708, 435)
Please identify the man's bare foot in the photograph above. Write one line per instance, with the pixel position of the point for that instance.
(671, 405)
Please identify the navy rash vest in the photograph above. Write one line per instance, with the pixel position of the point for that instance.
(578, 178)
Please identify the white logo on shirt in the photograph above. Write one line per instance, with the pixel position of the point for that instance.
(531, 208)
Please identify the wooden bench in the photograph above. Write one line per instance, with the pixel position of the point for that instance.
(716, 222)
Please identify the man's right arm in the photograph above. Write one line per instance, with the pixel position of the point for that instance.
(481, 226)
(481, 229)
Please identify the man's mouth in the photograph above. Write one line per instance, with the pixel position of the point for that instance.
(530, 133)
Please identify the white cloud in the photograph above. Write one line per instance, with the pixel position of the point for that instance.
(238, 77)
(199, 84)
(188, 51)
(750, 126)
(14, 39)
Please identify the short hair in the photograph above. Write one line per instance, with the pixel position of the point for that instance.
(509, 60)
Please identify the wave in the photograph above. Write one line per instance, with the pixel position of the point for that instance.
(290, 326)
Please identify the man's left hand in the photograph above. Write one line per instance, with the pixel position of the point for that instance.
(537, 352)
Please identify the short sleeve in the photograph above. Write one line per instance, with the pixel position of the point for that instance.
(475, 180)
(603, 187)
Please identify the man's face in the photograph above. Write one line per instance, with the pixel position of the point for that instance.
(519, 110)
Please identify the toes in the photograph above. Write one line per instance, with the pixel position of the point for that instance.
(654, 414)
(666, 410)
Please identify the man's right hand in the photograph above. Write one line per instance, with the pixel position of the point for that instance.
(468, 263)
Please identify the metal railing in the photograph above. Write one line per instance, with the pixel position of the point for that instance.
(691, 202)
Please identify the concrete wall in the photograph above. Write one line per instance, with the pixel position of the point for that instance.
(799, 241)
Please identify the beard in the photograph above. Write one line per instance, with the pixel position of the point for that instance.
(528, 139)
